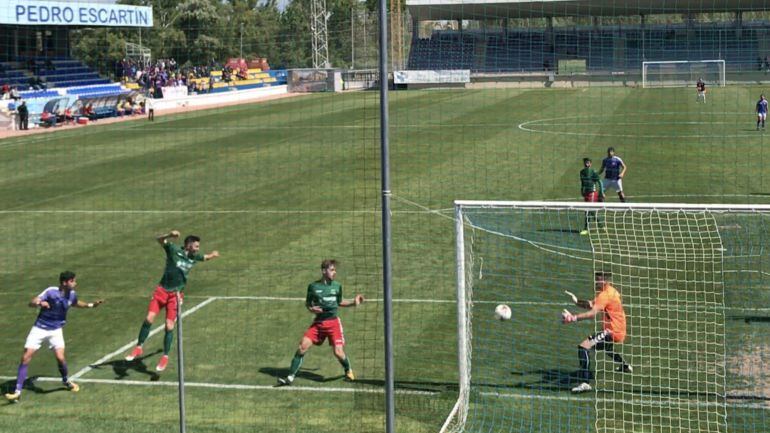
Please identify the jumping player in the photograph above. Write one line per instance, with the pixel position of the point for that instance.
(615, 170)
(701, 89)
(591, 188)
(323, 298)
(168, 293)
(608, 302)
(761, 111)
(54, 302)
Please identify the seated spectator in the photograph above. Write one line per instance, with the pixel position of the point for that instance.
(15, 93)
(47, 119)
(243, 74)
(49, 65)
(128, 108)
(88, 111)
(68, 116)
(6, 91)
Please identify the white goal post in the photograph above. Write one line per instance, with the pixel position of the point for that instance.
(678, 267)
(683, 73)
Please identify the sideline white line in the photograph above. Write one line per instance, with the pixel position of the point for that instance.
(206, 212)
(365, 390)
(131, 344)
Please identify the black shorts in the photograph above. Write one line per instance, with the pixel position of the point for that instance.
(601, 341)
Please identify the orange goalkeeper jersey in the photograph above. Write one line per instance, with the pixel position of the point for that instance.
(608, 300)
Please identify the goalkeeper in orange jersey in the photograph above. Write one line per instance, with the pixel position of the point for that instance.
(608, 302)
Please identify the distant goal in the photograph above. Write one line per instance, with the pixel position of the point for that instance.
(683, 73)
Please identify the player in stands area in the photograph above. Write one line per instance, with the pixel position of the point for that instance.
(591, 188)
(323, 299)
(614, 170)
(761, 111)
(608, 302)
(54, 302)
(701, 87)
(168, 293)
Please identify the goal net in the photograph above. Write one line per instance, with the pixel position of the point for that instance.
(684, 273)
(683, 73)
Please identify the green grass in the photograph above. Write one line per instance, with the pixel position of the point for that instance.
(277, 186)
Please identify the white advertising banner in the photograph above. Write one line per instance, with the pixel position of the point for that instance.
(174, 91)
(432, 77)
(56, 13)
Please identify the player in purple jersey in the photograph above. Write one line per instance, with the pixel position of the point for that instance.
(614, 169)
(54, 302)
(761, 111)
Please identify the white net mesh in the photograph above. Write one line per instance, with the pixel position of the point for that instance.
(682, 273)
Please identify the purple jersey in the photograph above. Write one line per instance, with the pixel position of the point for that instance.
(56, 316)
(762, 106)
(612, 166)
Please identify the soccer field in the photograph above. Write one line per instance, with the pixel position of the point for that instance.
(278, 186)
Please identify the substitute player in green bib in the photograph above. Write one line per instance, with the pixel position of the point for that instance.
(168, 293)
(591, 189)
(324, 297)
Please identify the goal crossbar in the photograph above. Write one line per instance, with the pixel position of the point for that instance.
(675, 77)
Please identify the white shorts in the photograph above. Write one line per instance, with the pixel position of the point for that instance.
(617, 185)
(38, 336)
(761, 116)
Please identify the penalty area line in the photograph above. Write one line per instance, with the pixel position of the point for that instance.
(227, 386)
(89, 367)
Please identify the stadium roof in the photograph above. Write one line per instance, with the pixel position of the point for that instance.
(423, 10)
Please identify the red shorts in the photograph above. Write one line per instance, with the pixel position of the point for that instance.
(330, 328)
(592, 197)
(163, 298)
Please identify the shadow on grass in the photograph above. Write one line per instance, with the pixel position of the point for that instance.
(122, 368)
(29, 385)
(302, 374)
(750, 319)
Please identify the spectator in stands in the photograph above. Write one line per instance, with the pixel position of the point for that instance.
(49, 65)
(211, 83)
(23, 116)
(15, 93)
(6, 91)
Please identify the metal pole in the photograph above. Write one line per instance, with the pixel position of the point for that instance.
(240, 56)
(180, 364)
(352, 42)
(386, 247)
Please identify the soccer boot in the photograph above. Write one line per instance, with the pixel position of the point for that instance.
(162, 363)
(72, 386)
(137, 352)
(285, 381)
(625, 368)
(349, 376)
(13, 397)
(583, 387)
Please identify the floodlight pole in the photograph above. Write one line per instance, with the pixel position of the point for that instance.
(387, 292)
(180, 363)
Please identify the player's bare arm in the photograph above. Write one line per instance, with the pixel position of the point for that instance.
(36, 302)
(355, 302)
(82, 304)
(623, 172)
(212, 255)
(588, 314)
(162, 239)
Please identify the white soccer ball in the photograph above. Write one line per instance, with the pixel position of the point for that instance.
(503, 312)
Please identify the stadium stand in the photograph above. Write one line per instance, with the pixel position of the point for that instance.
(603, 48)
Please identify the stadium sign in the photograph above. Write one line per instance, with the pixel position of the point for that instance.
(53, 13)
(432, 77)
